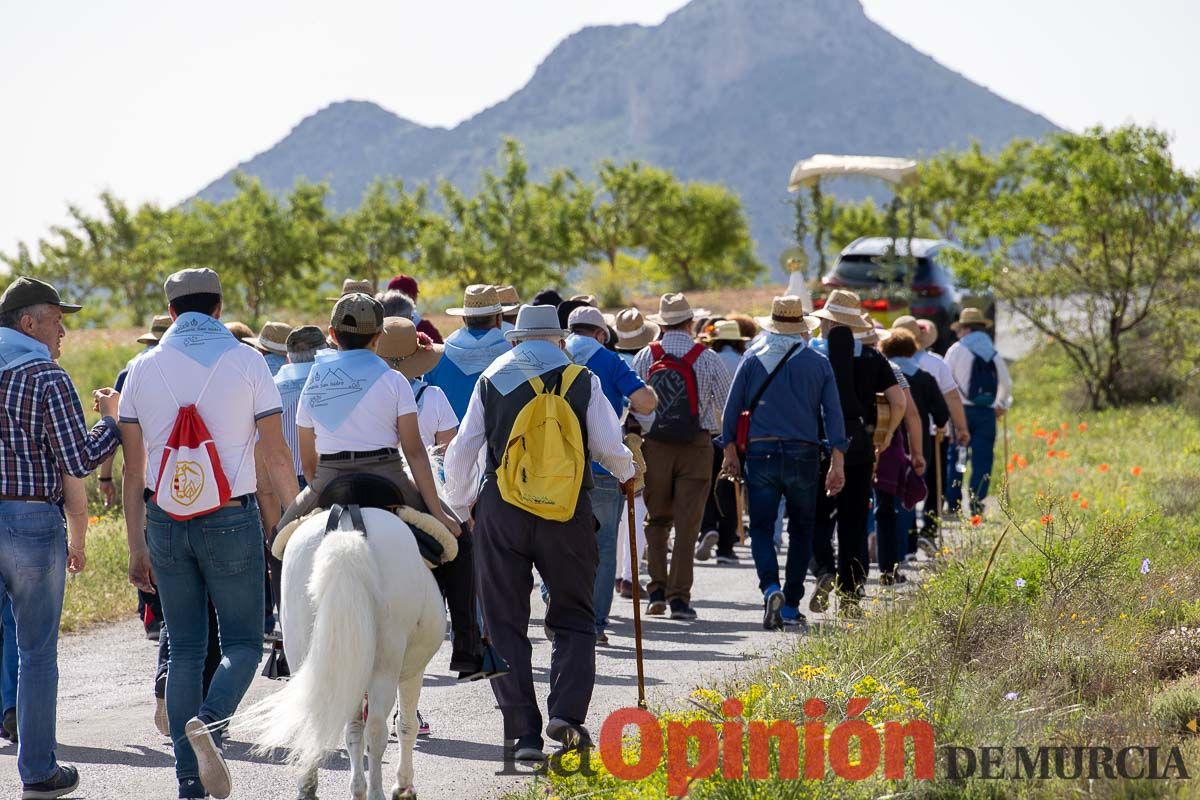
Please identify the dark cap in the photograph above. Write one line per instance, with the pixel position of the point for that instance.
(25, 292)
(306, 337)
(192, 281)
(357, 313)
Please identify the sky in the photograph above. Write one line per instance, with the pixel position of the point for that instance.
(153, 100)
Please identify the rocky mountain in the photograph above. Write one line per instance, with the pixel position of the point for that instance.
(731, 91)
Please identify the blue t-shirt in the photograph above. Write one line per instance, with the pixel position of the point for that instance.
(617, 380)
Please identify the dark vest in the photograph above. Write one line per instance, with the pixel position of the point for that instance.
(500, 413)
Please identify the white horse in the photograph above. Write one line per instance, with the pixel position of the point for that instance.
(362, 615)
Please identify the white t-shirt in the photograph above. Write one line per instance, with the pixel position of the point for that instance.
(939, 369)
(234, 401)
(434, 415)
(371, 425)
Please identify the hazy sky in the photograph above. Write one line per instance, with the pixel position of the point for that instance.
(155, 99)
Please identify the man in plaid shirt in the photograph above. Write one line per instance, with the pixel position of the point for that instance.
(42, 435)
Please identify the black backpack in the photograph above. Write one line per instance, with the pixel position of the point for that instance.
(677, 417)
(985, 382)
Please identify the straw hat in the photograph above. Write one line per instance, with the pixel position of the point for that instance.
(586, 299)
(928, 334)
(724, 330)
(843, 308)
(536, 321)
(480, 300)
(788, 317)
(673, 309)
(909, 323)
(507, 295)
(272, 338)
(402, 349)
(157, 328)
(971, 316)
(873, 336)
(352, 286)
(633, 331)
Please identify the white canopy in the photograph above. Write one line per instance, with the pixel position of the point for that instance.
(892, 170)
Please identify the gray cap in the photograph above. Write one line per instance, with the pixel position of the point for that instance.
(357, 313)
(306, 337)
(587, 315)
(192, 281)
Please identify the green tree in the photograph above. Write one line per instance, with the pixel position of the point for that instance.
(618, 214)
(1088, 238)
(383, 236)
(699, 239)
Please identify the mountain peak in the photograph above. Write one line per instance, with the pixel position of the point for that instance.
(727, 91)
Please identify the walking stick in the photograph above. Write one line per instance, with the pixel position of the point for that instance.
(937, 465)
(739, 493)
(637, 600)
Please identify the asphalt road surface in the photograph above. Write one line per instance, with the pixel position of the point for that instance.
(106, 707)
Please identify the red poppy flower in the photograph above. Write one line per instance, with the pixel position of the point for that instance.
(1083, 504)
(976, 520)
(1136, 471)
(1103, 467)
(1074, 495)
(1047, 519)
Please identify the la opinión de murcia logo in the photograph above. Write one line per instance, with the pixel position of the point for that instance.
(634, 744)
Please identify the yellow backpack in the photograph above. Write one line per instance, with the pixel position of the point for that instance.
(544, 461)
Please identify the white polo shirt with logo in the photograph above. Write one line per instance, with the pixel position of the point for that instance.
(371, 425)
(233, 403)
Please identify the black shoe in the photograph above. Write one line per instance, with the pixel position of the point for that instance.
(191, 789)
(571, 735)
(820, 599)
(657, 606)
(683, 611)
(888, 579)
(9, 726)
(601, 637)
(772, 605)
(214, 773)
(728, 558)
(154, 630)
(60, 784)
(529, 749)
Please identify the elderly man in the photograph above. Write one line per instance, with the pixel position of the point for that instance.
(513, 540)
(42, 436)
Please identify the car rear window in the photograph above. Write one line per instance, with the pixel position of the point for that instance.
(862, 269)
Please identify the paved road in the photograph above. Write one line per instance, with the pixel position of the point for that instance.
(105, 712)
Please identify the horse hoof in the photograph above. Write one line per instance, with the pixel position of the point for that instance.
(408, 793)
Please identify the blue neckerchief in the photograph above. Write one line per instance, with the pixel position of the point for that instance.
(582, 348)
(980, 344)
(275, 362)
(416, 318)
(772, 347)
(471, 352)
(290, 380)
(16, 349)
(908, 365)
(822, 347)
(338, 380)
(200, 337)
(526, 360)
(627, 357)
(506, 326)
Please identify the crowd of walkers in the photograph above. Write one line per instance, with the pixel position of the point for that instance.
(546, 420)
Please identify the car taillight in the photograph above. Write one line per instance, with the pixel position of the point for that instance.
(875, 305)
(928, 290)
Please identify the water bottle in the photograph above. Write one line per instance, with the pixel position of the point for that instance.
(960, 462)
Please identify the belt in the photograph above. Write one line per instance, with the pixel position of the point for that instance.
(351, 455)
(241, 501)
(12, 498)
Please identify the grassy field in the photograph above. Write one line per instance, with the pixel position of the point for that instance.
(1069, 618)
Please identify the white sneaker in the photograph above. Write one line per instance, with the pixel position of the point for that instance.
(214, 773)
(704, 550)
(160, 716)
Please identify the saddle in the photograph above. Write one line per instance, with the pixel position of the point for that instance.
(345, 497)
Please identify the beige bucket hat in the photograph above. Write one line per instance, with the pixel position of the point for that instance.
(971, 316)
(353, 286)
(481, 300)
(673, 308)
(272, 338)
(844, 308)
(724, 330)
(400, 347)
(633, 331)
(157, 328)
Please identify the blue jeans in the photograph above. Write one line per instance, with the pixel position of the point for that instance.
(981, 422)
(787, 470)
(607, 504)
(8, 659)
(217, 556)
(33, 569)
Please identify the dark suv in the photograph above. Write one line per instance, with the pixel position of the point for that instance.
(891, 286)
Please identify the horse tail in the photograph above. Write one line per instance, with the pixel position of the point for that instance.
(308, 716)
